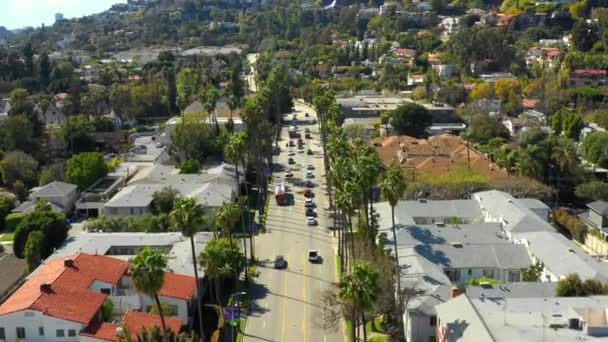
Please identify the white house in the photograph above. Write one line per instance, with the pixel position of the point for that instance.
(63, 298)
(62, 197)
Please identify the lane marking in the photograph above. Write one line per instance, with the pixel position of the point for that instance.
(304, 330)
(283, 330)
(264, 324)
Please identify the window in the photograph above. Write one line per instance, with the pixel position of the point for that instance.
(106, 291)
(2, 334)
(470, 271)
(131, 211)
(41, 331)
(433, 321)
(71, 333)
(488, 273)
(453, 275)
(60, 333)
(174, 309)
(514, 276)
(20, 332)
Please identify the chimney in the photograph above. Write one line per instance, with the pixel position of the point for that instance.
(68, 262)
(457, 291)
(45, 287)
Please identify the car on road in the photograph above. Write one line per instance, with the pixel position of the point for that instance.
(309, 174)
(308, 136)
(306, 130)
(308, 203)
(313, 255)
(310, 167)
(291, 153)
(309, 152)
(309, 184)
(311, 221)
(291, 143)
(308, 193)
(280, 262)
(291, 161)
(306, 114)
(288, 174)
(310, 212)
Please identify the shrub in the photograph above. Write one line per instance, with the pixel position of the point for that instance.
(190, 166)
(11, 221)
(570, 222)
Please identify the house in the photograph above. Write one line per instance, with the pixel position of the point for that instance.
(586, 77)
(62, 197)
(416, 80)
(503, 319)
(63, 298)
(132, 321)
(451, 25)
(127, 245)
(5, 108)
(506, 20)
(518, 124)
(547, 57)
(408, 55)
(444, 70)
(12, 272)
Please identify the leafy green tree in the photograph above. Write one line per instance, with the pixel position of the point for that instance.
(188, 84)
(483, 279)
(482, 91)
(360, 288)
(7, 204)
(85, 168)
(411, 119)
(18, 134)
(533, 272)
(148, 276)
(21, 103)
(12, 220)
(18, 166)
(227, 216)
(593, 190)
(393, 185)
(44, 219)
(483, 127)
(188, 217)
(584, 35)
(51, 173)
(77, 133)
(34, 248)
(44, 69)
(221, 258)
(593, 148)
(164, 200)
(570, 286)
(190, 166)
(209, 97)
(192, 138)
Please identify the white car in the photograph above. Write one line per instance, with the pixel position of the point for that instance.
(310, 167)
(308, 203)
(291, 153)
(311, 221)
(309, 174)
(313, 255)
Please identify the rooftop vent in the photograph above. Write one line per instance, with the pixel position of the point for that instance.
(68, 262)
(45, 287)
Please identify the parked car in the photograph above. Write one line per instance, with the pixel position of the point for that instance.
(308, 136)
(306, 114)
(308, 203)
(306, 130)
(308, 193)
(309, 174)
(280, 262)
(309, 152)
(291, 143)
(310, 213)
(288, 174)
(310, 167)
(309, 184)
(291, 161)
(291, 153)
(311, 221)
(313, 256)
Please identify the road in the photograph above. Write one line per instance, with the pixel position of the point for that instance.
(287, 302)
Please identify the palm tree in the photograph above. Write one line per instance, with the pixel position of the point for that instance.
(148, 275)
(188, 217)
(392, 185)
(360, 289)
(227, 216)
(564, 155)
(367, 165)
(209, 97)
(528, 164)
(221, 257)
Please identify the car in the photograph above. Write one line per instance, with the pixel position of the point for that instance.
(306, 114)
(314, 121)
(159, 145)
(291, 143)
(306, 130)
(308, 193)
(308, 203)
(309, 184)
(291, 153)
(310, 167)
(313, 255)
(309, 152)
(280, 262)
(309, 174)
(311, 221)
(308, 136)
(310, 213)
(291, 161)
(288, 174)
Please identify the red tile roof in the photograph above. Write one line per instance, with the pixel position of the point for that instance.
(135, 321)
(529, 103)
(404, 52)
(69, 296)
(470, 86)
(178, 286)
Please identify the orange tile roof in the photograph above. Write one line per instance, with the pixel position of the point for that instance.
(69, 297)
(101, 331)
(529, 103)
(178, 286)
(136, 320)
(434, 156)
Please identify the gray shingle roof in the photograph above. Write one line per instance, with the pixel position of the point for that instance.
(29, 206)
(446, 234)
(11, 270)
(600, 207)
(500, 255)
(54, 189)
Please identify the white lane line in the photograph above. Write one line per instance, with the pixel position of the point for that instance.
(264, 324)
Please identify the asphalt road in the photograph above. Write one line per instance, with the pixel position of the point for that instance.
(287, 305)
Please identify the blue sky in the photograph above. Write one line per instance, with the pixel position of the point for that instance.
(20, 13)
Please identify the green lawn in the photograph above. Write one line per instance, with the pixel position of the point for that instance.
(7, 237)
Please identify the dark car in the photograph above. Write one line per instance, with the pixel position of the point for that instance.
(308, 193)
(308, 136)
(291, 161)
(309, 152)
(280, 262)
(309, 184)
(306, 114)
(291, 143)
(310, 213)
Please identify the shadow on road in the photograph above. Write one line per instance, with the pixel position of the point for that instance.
(268, 264)
(258, 291)
(313, 237)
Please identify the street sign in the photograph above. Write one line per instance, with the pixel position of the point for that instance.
(268, 171)
(232, 314)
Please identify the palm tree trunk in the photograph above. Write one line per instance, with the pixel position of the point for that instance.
(363, 324)
(397, 273)
(162, 316)
(198, 288)
(353, 329)
(343, 226)
(371, 215)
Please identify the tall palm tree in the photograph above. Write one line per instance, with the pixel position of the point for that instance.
(227, 216)
(392, 185)
(367, 164)
(188, 217)
(564, 155)
(148, 275)
(528, 164)
(220, 258)
(360, 289)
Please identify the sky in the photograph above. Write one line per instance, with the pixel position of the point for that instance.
(20, 13)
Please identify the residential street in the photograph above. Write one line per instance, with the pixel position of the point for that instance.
(287, 302)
